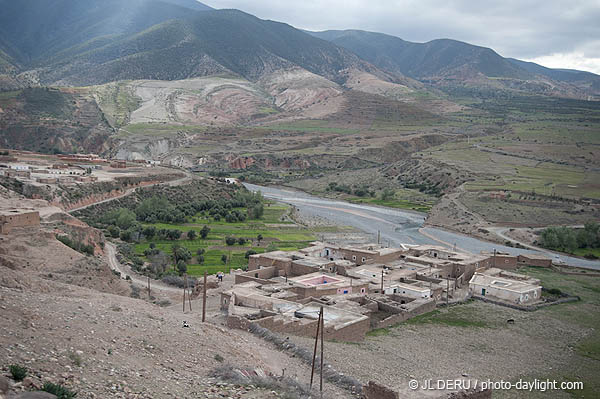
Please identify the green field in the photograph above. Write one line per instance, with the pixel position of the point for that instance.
(277, 234)
(394, 203)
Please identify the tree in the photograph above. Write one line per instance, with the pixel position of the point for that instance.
(149, 232)
(204, 232)
(114, 231)
(200, 259)
(224, 259)
(174, 235)
(242, 241)
(257, 211)
(191, 235)
(259, 238)
(182, 254)
(181, 267)
(230, 240)
(152, 245)
(126, 235)
(200, 251)
(125, 219)
(249, 253)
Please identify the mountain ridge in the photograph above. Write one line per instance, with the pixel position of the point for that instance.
(449, 60)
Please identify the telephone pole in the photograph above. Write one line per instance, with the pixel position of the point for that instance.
(204, 299)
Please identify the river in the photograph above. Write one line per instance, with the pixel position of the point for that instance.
(396, 226)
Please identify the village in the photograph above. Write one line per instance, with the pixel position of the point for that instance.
(367, 287)
(347, 291)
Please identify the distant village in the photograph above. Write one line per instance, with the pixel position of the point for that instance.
(366, 287)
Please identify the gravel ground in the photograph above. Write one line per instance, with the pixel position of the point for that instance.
(535, 345)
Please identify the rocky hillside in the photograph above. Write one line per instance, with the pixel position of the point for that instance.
(52, 120)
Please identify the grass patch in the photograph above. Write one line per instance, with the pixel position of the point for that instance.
(393, 203)
(454, 317)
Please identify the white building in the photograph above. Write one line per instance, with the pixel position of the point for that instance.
(409, 290)
(504, 289)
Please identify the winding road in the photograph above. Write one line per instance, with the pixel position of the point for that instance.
(111, 255)
(398, 226)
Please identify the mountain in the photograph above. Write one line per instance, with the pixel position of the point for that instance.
(442, 57)
(72, 42)
(33, 30)
(582, 78)
(448, 62)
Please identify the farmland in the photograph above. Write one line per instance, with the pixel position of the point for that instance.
(275, 232)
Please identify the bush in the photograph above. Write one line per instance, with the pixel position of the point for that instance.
(191, 235)
(18, 372)
(60, 391)
(250, 252)
(242, 241)
(230, 240)
(224, 259)
(178, 281)
(555, 291)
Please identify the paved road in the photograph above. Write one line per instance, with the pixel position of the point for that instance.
(111, 252)
(397, 226)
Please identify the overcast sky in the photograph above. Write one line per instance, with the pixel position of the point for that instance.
(554, 33)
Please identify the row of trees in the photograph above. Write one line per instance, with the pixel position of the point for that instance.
(566, 239)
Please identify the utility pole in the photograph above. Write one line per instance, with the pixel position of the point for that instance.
(494, 257)
(312, 373)
(447, 291)
(204, 299)
(382, 280)
(189, 293)
(322, 349)
(378, 237)
(148, 286)
(184, 290)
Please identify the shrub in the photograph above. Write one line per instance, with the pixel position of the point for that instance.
(230, 240)
(555, 291)
(60, 391)
(250, 252)
(219, 358)
(18, 372)
(224, 258)
(191, 235)
(178, 281)
(200, 251)
(242, 241)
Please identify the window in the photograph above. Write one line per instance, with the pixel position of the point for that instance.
(256, 275)
(353, 257)
(345, 291)
(363, 259)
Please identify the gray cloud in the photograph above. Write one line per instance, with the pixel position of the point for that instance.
(526, 29)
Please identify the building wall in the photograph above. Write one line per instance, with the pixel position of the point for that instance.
(505, 262)
(504, 294)
(10, 221)
(523, 260)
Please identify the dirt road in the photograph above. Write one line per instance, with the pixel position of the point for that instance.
(111, 254)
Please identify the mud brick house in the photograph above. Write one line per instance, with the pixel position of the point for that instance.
(534, 260)
(505, 286)
(14, 218)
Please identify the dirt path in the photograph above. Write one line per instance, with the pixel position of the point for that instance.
(188, 177)
(111, 252)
